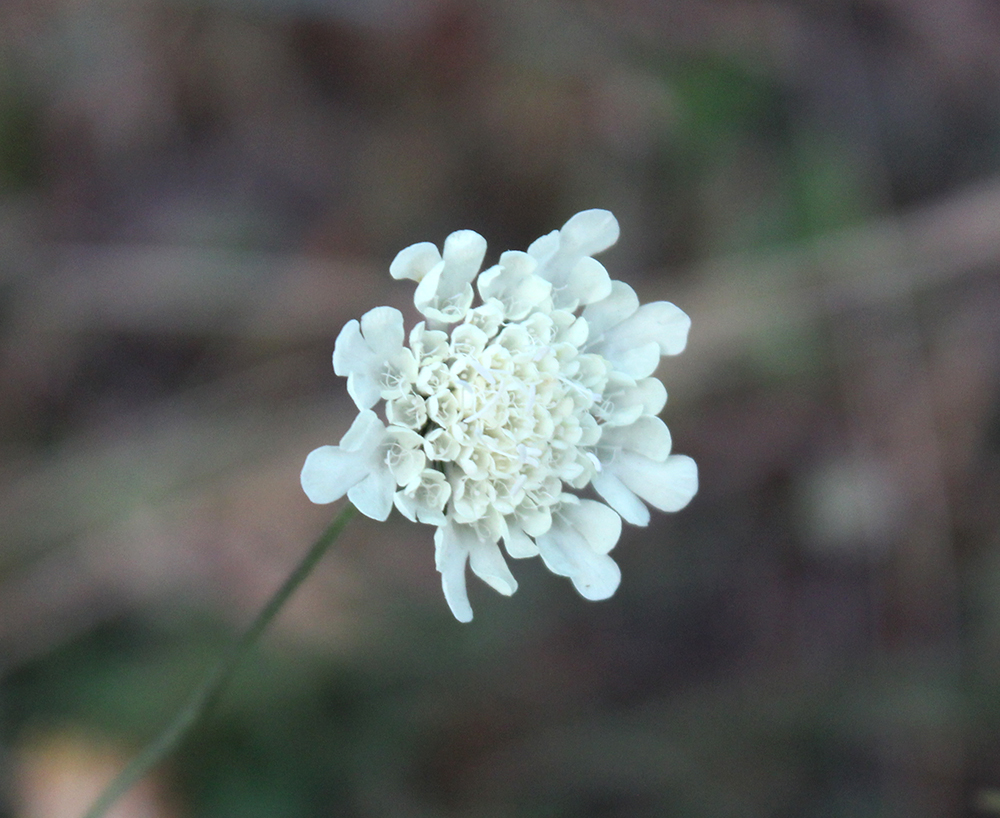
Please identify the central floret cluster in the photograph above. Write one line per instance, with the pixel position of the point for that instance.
(495, 411)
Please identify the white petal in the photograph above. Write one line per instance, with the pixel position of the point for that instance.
(383, 331)
(373, 495)
(566, 553)
(348, 348)
(600, 580)
(488, 564)
(365, 434)
(630, 399)
(648, 435)
(564, 259)
(621, 303)
(587, 282)
(443, 301)
(423, 499)
(590, 231)
(558, 546)
(501, 278)
(518, 544)
(598, 524)
(463, 252)
(544, 247)
(415, 261)
(329, 472)
(407, 506)
(363, 389)
(450, 559)
(352, 358)
(444, 292)
(669, 486)
(514, 283)
(534, 521)
(654, 395)
(363, 349)
(621, 498)
(575, 334)
(662, 322)
(639, 361)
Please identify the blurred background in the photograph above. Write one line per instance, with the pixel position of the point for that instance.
(196, 195)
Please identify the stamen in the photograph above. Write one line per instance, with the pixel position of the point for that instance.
(490, 404)
(482, 370)
(529, 454)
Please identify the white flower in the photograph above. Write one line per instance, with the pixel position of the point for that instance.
(490, 423)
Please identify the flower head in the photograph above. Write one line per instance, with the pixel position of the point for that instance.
(496, 414)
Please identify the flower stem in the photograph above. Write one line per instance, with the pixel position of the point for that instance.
(204, 697)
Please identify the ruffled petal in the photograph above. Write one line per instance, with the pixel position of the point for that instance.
(488, 564)
(329, 472)
(411, 508)
(415, 261)
(587, 282)
(626, 400)
(648, 435)
(373, 495)
(661, 322)
(557, 546)
(450, 558)
(364, 349)
(425, 498)
(544, 247)
(600, 580)
(566, 552)
(518, 544)
(351, 358)
(514, 284)
(534, 520)
(565, 260)
(383, 331)
(366, 433)
(438, 302)
(653, 394)
(590, 231)
(348, 348)
(406, 504)
(598, 524)
(463, 255)
(635, 361)
(602, 315)
(621, 498)
(445, 292)
(668, 486)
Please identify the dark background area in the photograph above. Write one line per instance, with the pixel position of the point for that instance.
(195, 195)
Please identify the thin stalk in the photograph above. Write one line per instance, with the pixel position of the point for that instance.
(205, 696)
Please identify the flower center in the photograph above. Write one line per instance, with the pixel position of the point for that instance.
(506, 419)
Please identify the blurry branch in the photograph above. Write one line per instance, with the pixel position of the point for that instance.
(736, 299)
(255, 295)
(178, 290)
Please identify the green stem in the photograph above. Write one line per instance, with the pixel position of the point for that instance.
(207, 693)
